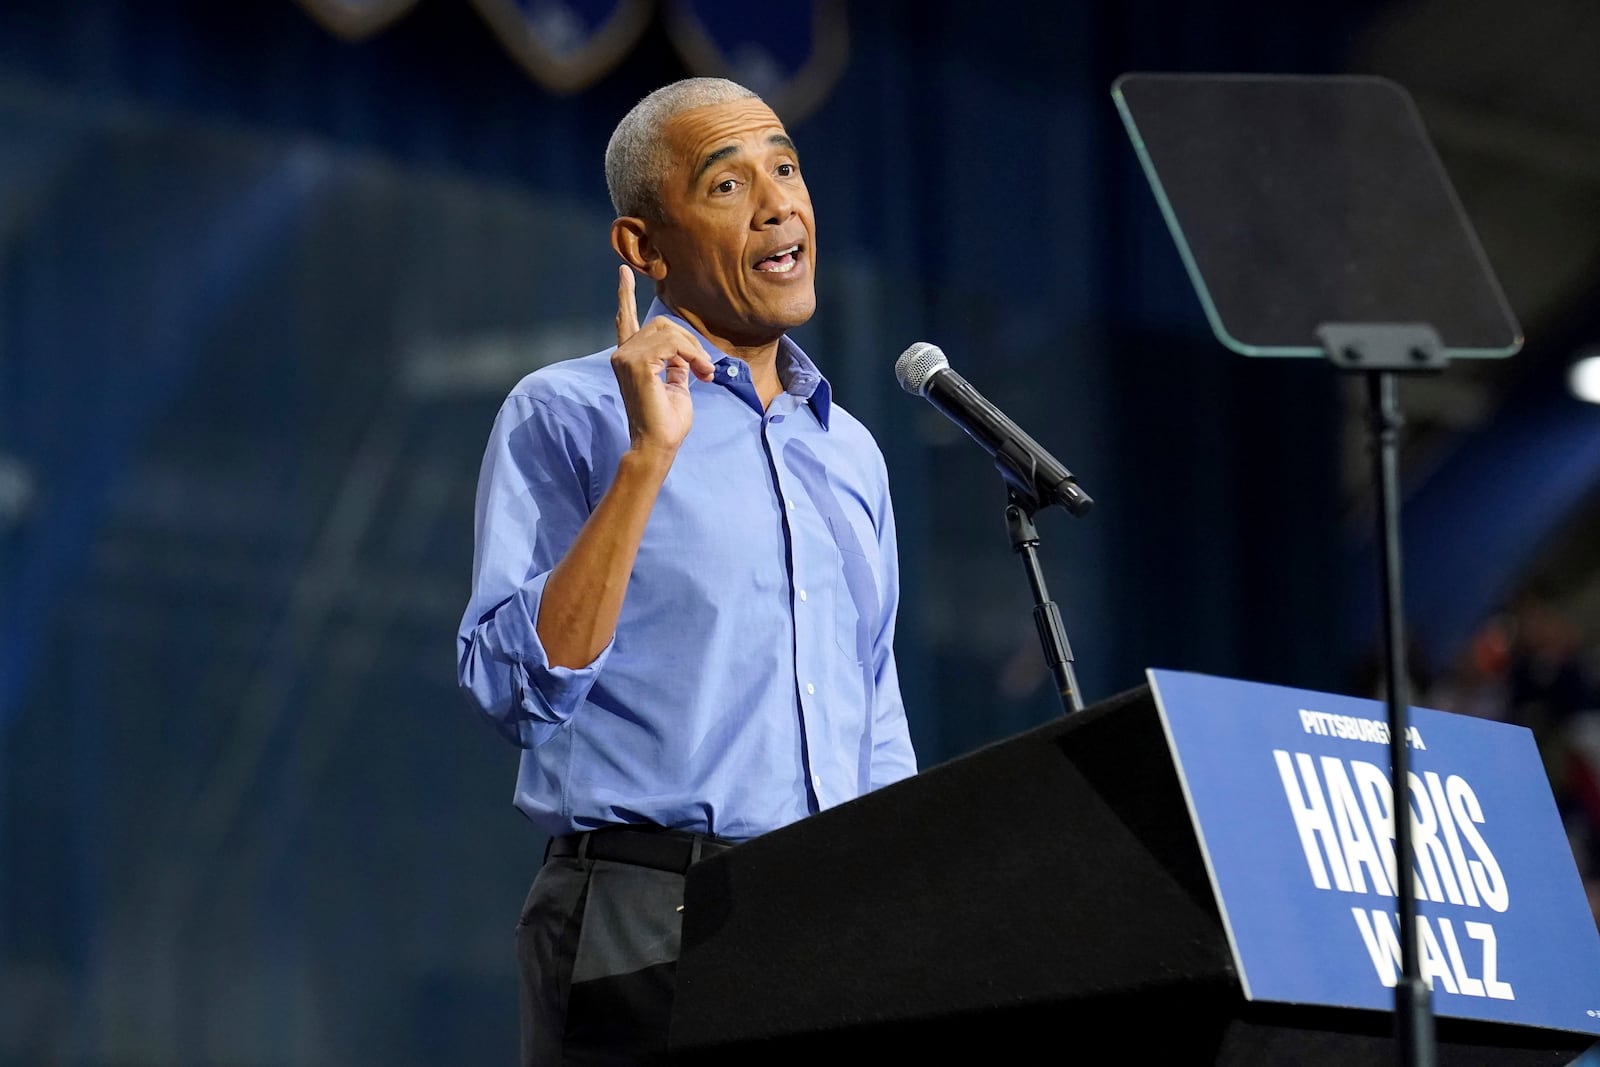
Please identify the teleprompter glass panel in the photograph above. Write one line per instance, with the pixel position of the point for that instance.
(1303, 200)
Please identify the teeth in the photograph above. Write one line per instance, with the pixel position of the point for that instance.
(785, 268)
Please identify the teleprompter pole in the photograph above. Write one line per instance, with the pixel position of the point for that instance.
(1379, 352)
(1413, 1009)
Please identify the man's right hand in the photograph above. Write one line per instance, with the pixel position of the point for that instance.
(652, 366)
(582, 598)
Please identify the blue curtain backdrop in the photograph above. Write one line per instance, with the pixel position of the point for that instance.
(261, 292)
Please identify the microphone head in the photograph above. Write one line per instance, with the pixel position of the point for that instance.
(917, 365)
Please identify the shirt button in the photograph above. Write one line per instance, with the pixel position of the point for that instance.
(802, 595)
(816, 782)
(789, 504)
(810, 689)
(733, 372)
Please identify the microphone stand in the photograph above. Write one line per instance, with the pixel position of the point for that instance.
(1021, 505)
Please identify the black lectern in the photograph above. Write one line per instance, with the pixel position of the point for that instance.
(1044, 898)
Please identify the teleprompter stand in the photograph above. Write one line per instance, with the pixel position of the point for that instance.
(1315, 219)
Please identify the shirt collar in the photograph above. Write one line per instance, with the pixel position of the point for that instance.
(796, 373)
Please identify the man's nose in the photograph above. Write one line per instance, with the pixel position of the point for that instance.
(774, 203)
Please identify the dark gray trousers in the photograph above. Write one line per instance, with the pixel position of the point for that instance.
(597, 947)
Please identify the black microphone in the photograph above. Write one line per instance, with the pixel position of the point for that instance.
(923, 370)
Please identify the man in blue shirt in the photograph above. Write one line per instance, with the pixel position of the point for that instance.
(685, 578)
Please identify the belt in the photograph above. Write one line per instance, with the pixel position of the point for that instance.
(664, 850)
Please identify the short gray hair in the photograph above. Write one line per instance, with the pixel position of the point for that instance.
(637, 158)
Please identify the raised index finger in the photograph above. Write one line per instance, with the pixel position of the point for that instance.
(627, 310)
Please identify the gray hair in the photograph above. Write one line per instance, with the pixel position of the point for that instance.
(637, 156)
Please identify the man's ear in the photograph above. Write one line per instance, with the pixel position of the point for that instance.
(630, 237)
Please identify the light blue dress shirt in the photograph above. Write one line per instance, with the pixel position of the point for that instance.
(751, 680)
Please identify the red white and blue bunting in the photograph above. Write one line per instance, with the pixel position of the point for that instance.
(792, 54)
(567, 45)
(356, 19)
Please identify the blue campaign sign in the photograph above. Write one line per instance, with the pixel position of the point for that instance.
(1289, 791)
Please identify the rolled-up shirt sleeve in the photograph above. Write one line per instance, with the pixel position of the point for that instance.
(534, 495)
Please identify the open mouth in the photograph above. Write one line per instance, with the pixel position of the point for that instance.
(780, 262)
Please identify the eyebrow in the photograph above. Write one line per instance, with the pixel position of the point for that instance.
(778, 139)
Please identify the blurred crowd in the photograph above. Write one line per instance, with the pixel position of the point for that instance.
(1531, 665)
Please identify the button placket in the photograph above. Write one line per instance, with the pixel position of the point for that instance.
(811, 559)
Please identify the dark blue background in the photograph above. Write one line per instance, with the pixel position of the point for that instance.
(261, 291)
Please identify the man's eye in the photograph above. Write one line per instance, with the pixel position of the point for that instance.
(785, 169)
(726, 186)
